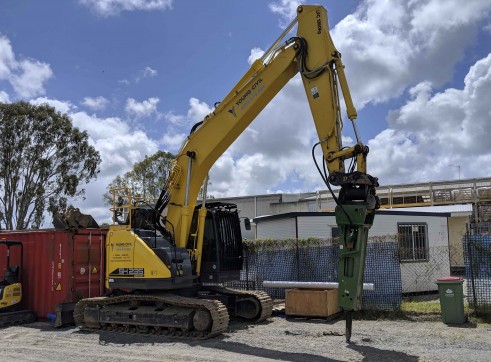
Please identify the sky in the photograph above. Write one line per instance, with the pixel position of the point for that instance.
(137, 74)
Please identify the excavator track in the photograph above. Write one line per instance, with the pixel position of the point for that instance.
(15, 318)
(264, 300)
(210, 316)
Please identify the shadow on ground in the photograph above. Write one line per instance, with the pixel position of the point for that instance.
(375, 354)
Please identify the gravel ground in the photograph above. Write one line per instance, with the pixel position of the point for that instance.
(276, 339)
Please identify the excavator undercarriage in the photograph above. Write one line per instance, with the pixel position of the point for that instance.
(17, 317)
(203, 316)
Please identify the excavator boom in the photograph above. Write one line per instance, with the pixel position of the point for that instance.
(312, 54)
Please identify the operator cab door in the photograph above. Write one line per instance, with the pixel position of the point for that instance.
(222, 243)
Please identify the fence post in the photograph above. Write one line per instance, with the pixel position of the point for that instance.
(471, 267)
(297, 256)
(246, 252)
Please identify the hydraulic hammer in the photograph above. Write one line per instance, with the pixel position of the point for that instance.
(354, 216)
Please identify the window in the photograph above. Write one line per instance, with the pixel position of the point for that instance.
(413, 243)
(334, 232)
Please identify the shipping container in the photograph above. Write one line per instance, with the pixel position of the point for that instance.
(59, 266)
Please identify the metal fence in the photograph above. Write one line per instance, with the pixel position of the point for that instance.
(394, 277)
(316, 260)
(477, 256)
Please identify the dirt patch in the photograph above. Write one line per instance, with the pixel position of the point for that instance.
(276, 339)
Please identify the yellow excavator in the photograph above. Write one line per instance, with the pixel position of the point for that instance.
(11, 288)
(166, 261)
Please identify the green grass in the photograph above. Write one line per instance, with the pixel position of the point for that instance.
(421, 307)
(423, 310)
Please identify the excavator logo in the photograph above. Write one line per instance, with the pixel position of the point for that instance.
(232, 111)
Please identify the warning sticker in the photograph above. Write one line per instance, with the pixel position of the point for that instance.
(94, 270)
(58, 287)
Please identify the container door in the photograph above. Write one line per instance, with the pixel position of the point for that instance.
(88, 264)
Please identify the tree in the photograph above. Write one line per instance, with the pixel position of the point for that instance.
(146, 179)
(44, 160)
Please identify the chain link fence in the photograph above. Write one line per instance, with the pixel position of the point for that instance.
(387, 267)
(477, 257)
(315, 260)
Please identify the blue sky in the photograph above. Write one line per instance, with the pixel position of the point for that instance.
(138, 74)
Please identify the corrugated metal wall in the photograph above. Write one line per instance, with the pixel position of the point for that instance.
(59, 266)
(277, 229)
(315, 226)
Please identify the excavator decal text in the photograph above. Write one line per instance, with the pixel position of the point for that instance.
(319, 21)
(129, 272)
(251, 93)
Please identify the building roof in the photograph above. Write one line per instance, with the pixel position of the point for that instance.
(401, 211)
(453, 210)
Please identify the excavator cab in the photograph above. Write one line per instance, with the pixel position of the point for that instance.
(11, 275)
(150, 258)
(222, 243)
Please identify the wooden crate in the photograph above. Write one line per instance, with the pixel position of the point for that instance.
(311, 303)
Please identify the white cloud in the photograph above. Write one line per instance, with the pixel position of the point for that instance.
(7, 58)
(26, 76)
(255, 168)
(30, 80)
(172, 140)
(96, 104)
(149, 72)
(100, 128)
(114, 7)
(120, 151)
(287, 9)
(120, 148)
(390, 45)
(60, 106)
(434, 132)
(141, 109)
(4, 97)
(256, 53)
(198, 110)
(146, 73)
(180, 125)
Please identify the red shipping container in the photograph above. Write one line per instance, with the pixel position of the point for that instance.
(59, 266)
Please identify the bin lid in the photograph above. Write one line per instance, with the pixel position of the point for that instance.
(449, 279)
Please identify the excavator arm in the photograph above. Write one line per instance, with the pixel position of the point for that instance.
(312, 54)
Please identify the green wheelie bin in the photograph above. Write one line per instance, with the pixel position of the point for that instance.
(451, 299)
